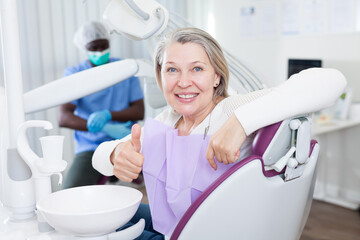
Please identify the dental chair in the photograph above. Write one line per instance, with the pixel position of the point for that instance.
(268, 195)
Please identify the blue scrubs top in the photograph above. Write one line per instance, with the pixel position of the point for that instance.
(115, 98)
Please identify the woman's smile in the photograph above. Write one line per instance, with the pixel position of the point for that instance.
(186, 97)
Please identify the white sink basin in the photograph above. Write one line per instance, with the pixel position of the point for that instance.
(90, 210)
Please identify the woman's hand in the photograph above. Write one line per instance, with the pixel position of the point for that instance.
(226, 142)
(126, 157)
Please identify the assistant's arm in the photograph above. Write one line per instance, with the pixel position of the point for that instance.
(69, 120)
(134, 112)
(136, 109)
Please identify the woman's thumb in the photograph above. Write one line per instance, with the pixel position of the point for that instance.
(135, 137)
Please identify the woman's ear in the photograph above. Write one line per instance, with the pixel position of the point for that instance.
(217, 80)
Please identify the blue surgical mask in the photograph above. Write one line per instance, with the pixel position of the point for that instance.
(99, 58)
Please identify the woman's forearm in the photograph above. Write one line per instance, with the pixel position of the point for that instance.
(101, 158)
(309, 91)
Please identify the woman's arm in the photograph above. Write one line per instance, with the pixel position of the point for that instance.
(101, 158)
(308, 91)
(120, 158)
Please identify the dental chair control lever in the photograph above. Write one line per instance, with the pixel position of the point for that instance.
(301, 136)
(279, 165)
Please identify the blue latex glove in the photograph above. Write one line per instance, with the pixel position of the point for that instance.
(117, 130)
(97, 120)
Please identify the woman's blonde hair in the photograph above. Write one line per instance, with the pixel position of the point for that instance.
(211, 47)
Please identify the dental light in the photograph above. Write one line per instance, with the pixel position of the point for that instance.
(138, 19)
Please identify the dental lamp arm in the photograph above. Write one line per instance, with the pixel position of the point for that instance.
(136, 20)
(72, 86)
(134, 112)
(145, 16)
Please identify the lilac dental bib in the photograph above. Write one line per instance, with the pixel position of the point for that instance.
(176, 172)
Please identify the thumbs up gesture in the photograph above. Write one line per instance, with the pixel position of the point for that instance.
(126, 157)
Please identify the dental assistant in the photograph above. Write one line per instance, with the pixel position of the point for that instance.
(101, 116)
(193, 75)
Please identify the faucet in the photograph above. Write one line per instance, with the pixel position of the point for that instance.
(42, 168)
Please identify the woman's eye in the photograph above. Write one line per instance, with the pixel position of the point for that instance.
(171, 70)
(197, 69)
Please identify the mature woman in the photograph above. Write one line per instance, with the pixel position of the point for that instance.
(193, 75)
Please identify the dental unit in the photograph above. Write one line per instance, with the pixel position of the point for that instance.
(25, 177)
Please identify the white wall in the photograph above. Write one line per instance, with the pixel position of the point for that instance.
(261, 55)
(264, 47)
(340, 51)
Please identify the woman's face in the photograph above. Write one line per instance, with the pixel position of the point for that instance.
(188, 79)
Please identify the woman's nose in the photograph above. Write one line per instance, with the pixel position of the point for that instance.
(184, 81)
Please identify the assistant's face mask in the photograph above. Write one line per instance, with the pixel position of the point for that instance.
(99, 58)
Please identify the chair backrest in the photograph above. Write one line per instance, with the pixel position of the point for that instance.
(249, 201)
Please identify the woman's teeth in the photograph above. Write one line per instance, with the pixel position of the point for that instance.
(187, 95)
